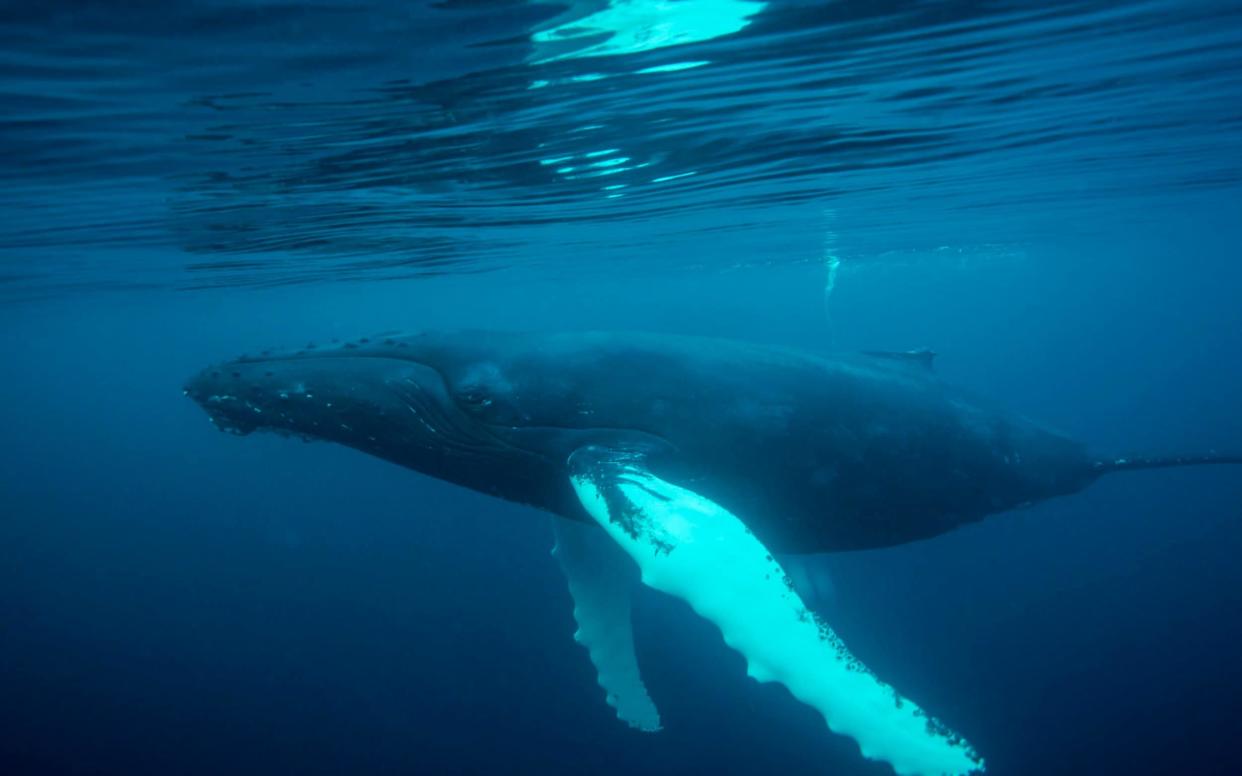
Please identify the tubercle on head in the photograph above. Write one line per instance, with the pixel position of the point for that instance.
(356, 346)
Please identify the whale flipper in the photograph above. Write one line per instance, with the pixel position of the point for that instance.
(599, 580)
(690, 547)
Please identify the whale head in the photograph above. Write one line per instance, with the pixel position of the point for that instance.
(443, 405)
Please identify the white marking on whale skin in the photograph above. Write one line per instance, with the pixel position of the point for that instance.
(692, 548)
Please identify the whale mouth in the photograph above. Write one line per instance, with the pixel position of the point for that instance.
(221, 393)
(399, 409)
(394, 408)
(227, 412)
(324, 397)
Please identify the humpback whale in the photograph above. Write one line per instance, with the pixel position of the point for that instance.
(702, 460)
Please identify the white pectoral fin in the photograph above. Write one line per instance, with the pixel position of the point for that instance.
(600, 580)
(692, 548)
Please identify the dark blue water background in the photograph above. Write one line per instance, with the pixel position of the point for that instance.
(1049, 195)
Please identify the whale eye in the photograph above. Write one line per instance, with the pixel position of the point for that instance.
(474, 398)
(481, 387)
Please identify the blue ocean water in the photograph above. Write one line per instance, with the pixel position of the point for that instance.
(1046, 194)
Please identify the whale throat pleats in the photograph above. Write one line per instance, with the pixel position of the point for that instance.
(690, 547)
(600, 579)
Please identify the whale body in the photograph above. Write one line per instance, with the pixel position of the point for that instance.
(700, 459)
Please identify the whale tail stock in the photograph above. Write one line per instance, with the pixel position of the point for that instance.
(1129, 463)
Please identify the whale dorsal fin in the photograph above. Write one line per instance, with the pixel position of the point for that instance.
(922, 357)
(688, 546)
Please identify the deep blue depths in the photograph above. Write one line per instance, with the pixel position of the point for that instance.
(1049, 199)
